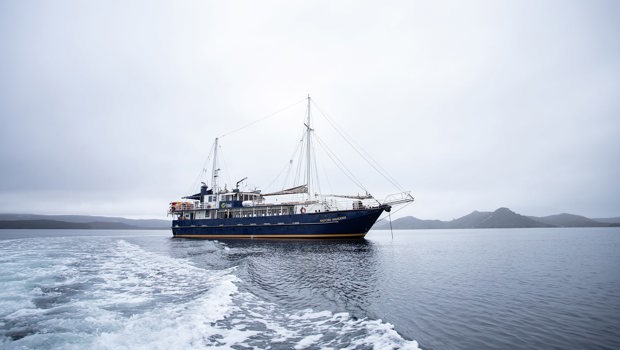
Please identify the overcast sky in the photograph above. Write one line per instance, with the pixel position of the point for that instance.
(111, 107)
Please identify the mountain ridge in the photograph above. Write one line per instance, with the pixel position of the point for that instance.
(500, 218)
(40, 221)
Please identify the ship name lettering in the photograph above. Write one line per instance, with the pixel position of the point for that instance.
(334, 219)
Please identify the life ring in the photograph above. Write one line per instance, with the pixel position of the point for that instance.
(302, 210)
(222, 205)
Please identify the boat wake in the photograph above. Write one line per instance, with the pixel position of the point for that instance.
(68, 293)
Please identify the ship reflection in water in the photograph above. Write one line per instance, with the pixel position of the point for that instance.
(328, 274)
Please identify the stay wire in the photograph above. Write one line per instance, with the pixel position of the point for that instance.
(391, 230)
(287, 167)
(316, 168)
(263, 118)
(363, 153)
(390, 213)
(277, 177)
(348, 173)
(293, 181)
(227, 171)
(203, 170)
(300, 160)
(204, 167)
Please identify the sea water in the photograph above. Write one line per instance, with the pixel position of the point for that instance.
(436, 289)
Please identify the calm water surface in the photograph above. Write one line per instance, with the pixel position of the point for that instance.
(436, 289)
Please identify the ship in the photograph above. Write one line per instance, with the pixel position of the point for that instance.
(297, 212)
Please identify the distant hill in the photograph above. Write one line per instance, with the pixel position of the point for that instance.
(35, 221)
(608, 220)
(505, 218)
(41, 224)
(500, 218)
(411, 222)
(569, 220)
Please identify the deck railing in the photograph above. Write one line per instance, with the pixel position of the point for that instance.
(328, 204)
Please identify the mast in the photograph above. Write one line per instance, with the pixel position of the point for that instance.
(308, 153)
(215, 169)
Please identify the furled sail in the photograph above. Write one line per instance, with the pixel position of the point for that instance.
(366, 196)
(293, 190)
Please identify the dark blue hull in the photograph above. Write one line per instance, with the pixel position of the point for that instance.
(334, 224)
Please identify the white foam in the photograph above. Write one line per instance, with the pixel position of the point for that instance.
(200, 298)
(133, 275)
(184, 300)
(187, 325)
(308, 314)
(195, 324)
(307, 341)
(308, 328)
(381, 336)
(135, 299)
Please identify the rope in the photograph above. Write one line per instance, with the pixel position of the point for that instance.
(389, 213)
(226, 170)
(289, 165)
(202, 171)
(391, 231)
(365, 155)
(316, 168)
(277, 177)
(263, 118)
(204, 168)
(348, 173)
